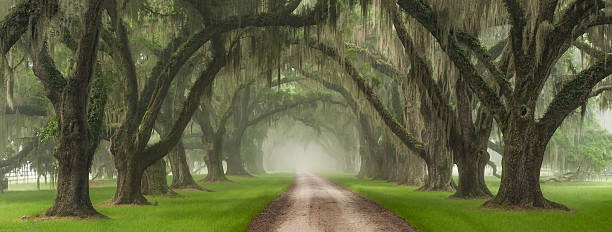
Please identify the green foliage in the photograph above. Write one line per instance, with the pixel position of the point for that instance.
(48, 133)
(8, 152)
(593, 146)
(596, 147)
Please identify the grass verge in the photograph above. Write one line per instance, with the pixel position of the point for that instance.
(590, 202)
(230, 208)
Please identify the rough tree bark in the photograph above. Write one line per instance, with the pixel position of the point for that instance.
(154, 181)
(438, 157)
(413, 171)
(129, 178)
(470, 146)
(79, 114)
(181, 174)
(212, 139)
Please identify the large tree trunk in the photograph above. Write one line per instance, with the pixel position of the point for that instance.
(3, 182)
(524, 146)
(72, 198)
(471, 167)
(349, 162)
(470, 148)
(414, 169)
(181, 175)
(439, 161)
(214, 162)
(129, 181)
(411, 170)
(374, 151)
(156, 181)
(437, 148)
(235, 166)
(74, 151)
(215, 169)
(364, 153)
(389, 163)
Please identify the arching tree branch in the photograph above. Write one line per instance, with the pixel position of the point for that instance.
(573, 94)
(425, 15)
(410, 141)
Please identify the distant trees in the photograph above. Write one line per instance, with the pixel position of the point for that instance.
(129, 144)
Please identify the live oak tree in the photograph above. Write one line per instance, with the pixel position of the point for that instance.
(537, 39)
(78, 100)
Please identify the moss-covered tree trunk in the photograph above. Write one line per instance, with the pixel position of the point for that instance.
(3, 183)
(129, 180)
(470, 146)
(439, 164)
(537, 43)
(370, 151)
(181, 174)
(414, 167)
(156, 181)
(471, 175)
(78, 111)
(74, 160)
(524, 146)
(437, 151)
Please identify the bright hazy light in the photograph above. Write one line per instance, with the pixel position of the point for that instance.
(291, 156)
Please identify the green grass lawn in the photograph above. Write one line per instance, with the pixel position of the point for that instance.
(432, 211)
(230, 208)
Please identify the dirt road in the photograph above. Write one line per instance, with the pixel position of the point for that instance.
(313, 203)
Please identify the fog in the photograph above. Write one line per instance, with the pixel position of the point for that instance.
(605, 119)
(297, 156)
(291, 146)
